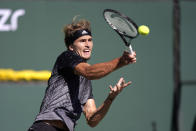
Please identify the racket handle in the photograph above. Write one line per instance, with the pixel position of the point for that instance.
(130, 49)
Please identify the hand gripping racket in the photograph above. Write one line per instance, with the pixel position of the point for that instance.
(123, 25)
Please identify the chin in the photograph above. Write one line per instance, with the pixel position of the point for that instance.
(86, 58)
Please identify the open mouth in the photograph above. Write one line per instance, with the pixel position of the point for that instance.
(86, 51)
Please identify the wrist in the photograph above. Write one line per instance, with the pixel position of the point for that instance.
(119, 62)
(110, 98)
(122, 61)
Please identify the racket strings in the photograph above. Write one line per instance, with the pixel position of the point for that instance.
(121, 24)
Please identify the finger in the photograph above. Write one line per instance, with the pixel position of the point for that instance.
(120, 84)
(131, 58)
(134, 53)
(123, 85)
(126, 52)
(128, 83)
(111, 89)
(120, 81)
(114, 89)
(134, 59)
(128, 55)
(123, 82)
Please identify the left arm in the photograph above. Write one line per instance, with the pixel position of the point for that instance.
(95, 115)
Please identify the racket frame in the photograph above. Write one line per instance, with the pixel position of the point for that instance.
(122, 35)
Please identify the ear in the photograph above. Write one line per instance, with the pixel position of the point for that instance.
(71, 47)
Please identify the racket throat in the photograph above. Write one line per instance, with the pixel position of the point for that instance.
(128, 44)
(130, 49)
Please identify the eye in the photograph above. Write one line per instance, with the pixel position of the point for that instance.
(90, 39)
(83, 40)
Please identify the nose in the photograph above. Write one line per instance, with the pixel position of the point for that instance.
(87, 44)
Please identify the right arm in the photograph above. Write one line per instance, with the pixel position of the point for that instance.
(100, 70)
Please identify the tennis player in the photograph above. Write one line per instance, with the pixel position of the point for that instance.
(69, 91)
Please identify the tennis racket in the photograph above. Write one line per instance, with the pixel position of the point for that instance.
(123, 25)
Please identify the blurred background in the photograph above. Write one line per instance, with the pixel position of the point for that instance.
(31, 37)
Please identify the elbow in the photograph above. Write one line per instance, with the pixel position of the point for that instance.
(92, 124)
(92, 77)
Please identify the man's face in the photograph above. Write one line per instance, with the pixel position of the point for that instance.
(83, 46)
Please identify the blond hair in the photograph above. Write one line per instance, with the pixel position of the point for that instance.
(76, 25)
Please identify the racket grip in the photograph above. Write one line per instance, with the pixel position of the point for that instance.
(130, 49)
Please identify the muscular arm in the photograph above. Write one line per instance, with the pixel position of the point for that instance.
(100, 70)
(97, 71)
